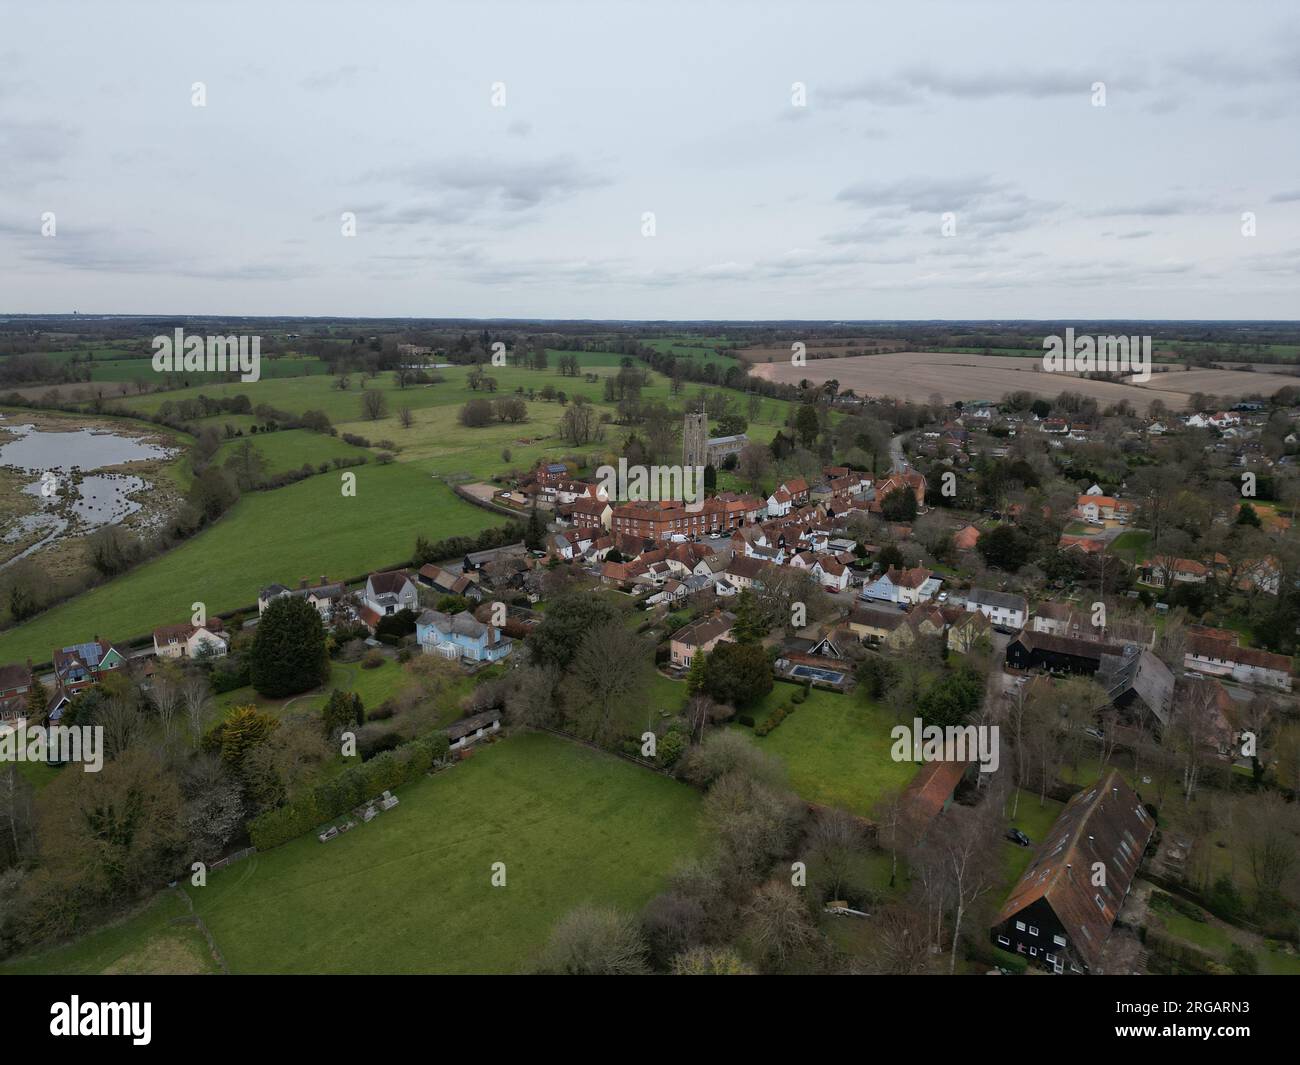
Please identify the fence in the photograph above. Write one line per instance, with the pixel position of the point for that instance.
(230, 859)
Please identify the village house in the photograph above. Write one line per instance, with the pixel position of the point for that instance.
(916, 585)
(1063, 619)
(591, 514)
(1059, 915)
(15, 684)
(831, 573)
(746, 572)
(700, 636)
(918, 623)
(1217, 656)
(873, 623)
(1163, 570)
(797, 490)
(1104, 510)
(16, 681)
(779, 503)
(909, 479)
(460, 636)
(190, 641)
(80, 665)
(324, 596)
(388, 593)
(1004, 609)
(444, 582)
(970, 631)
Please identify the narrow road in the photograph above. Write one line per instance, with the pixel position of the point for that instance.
(897, 462)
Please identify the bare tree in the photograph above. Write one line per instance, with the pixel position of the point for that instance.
(373, 404)
(835, 844)
(122, 723)
(591, 941)
(900, 946)
(778, 923)
(967, 843)
(17, 814)
(165, 694)
(197, 695)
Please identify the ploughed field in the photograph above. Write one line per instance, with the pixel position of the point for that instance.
(918, 375)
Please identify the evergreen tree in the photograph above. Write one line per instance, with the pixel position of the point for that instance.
(695, 678)
(288, 654)
(535, 531)
(748, 627)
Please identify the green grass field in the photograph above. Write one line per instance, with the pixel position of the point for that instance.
(291, 449)
(411, 891)
(836, 748)
(304, 530)
(141, 942)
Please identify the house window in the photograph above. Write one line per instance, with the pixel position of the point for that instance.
(1033, 931)
(1020, 926)
(1033, 952)
(1051, 958)
(1003, 941)
(1098, 900)
(1059, 940)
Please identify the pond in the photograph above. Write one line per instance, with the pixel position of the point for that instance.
(73, 499)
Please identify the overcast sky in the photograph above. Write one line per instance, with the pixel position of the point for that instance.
(762, 209)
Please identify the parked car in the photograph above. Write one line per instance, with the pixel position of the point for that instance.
(1017, 837)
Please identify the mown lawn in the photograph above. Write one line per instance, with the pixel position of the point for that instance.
(837, 749)
(411, 892)
(1135, 540)
(305, 529)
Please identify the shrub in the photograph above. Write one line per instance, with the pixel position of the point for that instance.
(229, 677)
(775, 718)
(374, 659)
(671, 748)
(345, 790)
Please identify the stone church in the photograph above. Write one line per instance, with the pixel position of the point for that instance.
(700, 449)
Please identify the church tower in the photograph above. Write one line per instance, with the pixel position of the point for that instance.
(695, 439)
